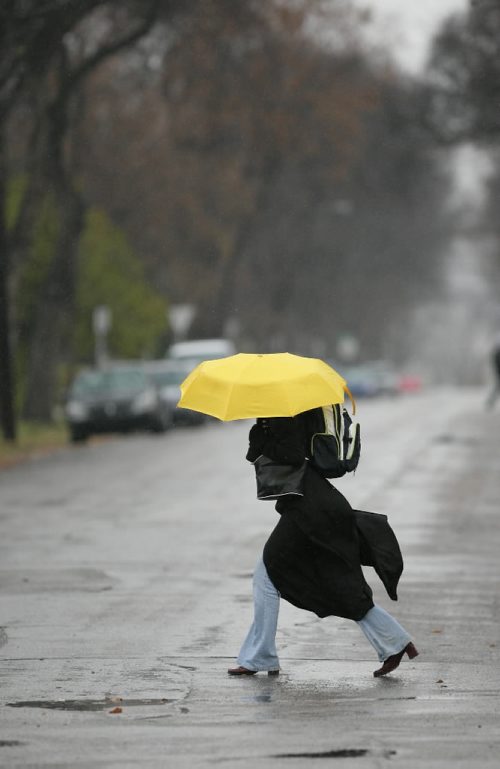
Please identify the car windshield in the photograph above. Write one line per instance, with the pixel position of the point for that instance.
(115, 381)
(164, 378)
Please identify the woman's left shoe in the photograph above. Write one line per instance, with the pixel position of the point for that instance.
(241, 671)
(393, 661)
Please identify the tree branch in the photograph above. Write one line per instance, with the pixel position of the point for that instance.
(109, 50)
(30, 39)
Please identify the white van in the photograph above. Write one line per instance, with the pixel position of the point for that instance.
(197, 350)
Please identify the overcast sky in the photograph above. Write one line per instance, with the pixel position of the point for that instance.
(407, 26)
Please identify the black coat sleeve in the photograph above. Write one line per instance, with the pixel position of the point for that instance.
(278, 438)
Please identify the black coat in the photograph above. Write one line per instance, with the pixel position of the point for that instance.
(314, 554)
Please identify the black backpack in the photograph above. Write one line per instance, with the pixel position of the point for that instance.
(336, 447)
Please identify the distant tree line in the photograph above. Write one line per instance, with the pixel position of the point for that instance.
(253, 159)
(463, 82)
(274, 179)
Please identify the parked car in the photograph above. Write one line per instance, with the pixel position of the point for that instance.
(118, 398)
(385, 376)
(168, 375)
(361, 381)
(410, 383)
(371, 379)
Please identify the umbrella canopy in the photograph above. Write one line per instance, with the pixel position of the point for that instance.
(246, 386)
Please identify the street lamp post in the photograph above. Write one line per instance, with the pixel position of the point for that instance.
(180, 317)
(101, 323)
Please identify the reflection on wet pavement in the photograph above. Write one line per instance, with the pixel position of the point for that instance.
(86, 705)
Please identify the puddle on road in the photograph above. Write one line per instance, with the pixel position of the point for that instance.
(87, 705)
(342, 753)
(349, 753)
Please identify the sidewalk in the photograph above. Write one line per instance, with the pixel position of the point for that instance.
(125, 592)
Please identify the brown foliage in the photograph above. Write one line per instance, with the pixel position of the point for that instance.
(261, 172)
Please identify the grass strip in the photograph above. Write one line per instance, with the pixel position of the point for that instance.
(34, 440)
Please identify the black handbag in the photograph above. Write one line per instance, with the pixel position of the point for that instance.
(275, 479)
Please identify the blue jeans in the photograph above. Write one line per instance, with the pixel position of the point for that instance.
(258, 651)
(259, 647)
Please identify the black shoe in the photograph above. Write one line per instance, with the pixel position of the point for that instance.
(393, 661)
(241, 671)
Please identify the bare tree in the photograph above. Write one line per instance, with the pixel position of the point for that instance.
(464, 76)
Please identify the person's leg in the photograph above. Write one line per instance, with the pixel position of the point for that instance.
(492, 396)
(384, 633)
(258, 651)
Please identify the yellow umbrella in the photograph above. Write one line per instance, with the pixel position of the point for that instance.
(246, 386)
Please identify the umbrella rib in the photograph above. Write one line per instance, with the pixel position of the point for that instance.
(228, 401)
(248, 364)
(289, 407)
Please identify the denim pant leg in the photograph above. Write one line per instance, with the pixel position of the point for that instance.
(383, 632)
(259, 647)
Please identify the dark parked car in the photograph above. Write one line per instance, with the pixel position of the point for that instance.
(116, 399)
(168, 375)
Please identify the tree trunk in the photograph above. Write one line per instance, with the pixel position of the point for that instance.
(54, 313)
(6, 373)
(55, 308)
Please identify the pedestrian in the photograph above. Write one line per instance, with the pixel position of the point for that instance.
(313, 556)
(495, 364)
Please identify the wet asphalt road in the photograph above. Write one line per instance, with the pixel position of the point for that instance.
(126, 584)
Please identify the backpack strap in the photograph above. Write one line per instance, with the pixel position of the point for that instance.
(329, 426)
(353, 402)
